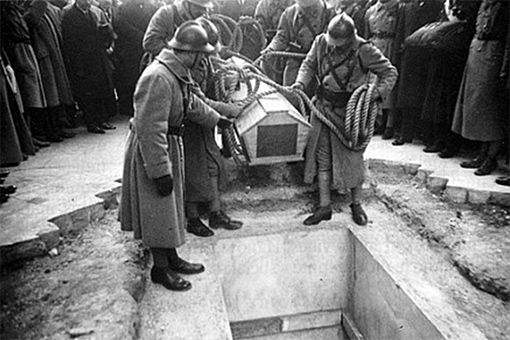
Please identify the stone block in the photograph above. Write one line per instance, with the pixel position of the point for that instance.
(478, 196)
(388, 303)
(198, 314)
(311, 320)
(456, 194)
(501, 198)
(422, 175)
(284, 274)
(436, 184)
(253, 328)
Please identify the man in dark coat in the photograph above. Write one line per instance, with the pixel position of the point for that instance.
(342, 62)
(481, 111)
(130, 25)
(152, 197)
(413, 69)
(44, 21)
(88, 65)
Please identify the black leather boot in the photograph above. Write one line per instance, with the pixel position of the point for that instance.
(358, 214)
(321, 214)
(487, 167)
(7, 189)
(218, 219)
(474, 163)
(181, 266)
(169, 279)
(197, 227)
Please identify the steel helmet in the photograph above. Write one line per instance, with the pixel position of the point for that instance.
(212, 33)
(202, 3)
(307, 3)
(340, 29)
(191, 36)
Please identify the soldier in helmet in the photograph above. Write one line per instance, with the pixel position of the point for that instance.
(205, 173)
(165, 21)
(341, 60)
(152, 202)
(356, 10)
(268, 14)
(298, 27)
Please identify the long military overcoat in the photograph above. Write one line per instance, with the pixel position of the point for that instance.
(44, 22)
(347, 165)
(152, 153)
(481, 112)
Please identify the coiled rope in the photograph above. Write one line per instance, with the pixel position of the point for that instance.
(361, 111)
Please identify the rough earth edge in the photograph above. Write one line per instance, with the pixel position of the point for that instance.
(477, 237)
(90, 291)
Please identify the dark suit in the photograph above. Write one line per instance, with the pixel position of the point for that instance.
(88, 65)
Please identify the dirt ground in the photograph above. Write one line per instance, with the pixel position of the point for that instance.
(89, 288)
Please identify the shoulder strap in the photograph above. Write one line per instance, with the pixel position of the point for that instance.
(332, 67)
(184, 89)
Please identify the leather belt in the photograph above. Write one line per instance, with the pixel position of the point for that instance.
(339, 99)
(176, 130)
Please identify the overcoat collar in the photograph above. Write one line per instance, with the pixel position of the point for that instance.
(175, 65)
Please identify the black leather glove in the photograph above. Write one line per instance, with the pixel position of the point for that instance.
(224, 123)
(164, 185)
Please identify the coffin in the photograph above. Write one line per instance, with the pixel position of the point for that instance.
(270, 129)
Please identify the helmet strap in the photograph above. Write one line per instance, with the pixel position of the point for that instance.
(195, 61)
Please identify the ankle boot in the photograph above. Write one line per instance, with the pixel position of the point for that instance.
(181, 266)
(7, 189)
(218, 219)
(197, 227)
(169, 279)
(358, 214)
(475, 163)
(321, 214)
(487, 167)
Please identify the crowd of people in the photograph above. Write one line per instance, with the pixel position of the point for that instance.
(439, 70)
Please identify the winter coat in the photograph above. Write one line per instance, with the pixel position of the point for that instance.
(44, 22)
(162, 100)
(269, 12)
(296, 35)
(348, 167)
(481, 113)
(162, 27)
(89, 68)
(130, 26)
(381, 28)
(17, 45)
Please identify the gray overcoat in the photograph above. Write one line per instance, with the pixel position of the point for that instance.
(161, 96)
(347, 166)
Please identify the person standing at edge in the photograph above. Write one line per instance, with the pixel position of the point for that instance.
(298, 27)
(165, 21)
(152, 201)
(205, 169)
(342, 62)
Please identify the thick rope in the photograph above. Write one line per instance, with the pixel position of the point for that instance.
(360, 111)
(279, 54)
